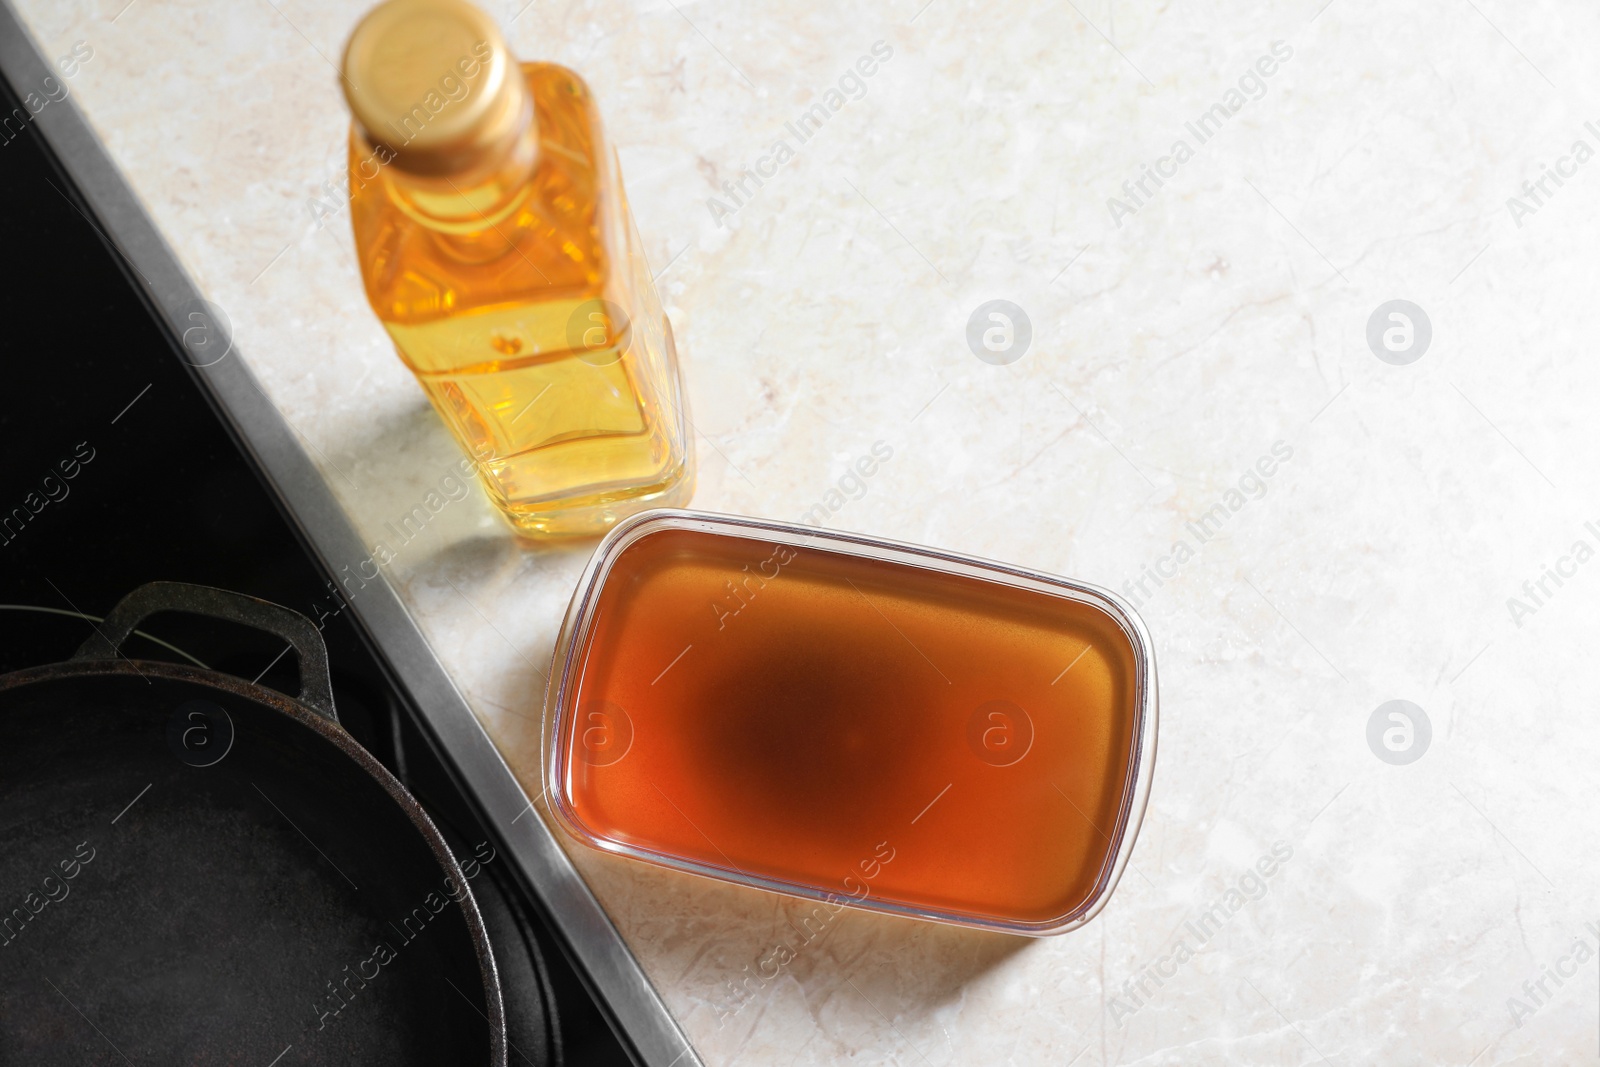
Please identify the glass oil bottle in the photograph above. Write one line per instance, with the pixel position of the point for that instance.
(497, 248)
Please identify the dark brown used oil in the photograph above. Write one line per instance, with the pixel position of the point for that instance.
(864, 727)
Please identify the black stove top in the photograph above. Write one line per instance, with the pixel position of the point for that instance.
(117, 471)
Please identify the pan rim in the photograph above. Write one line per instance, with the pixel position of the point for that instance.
(286, 705)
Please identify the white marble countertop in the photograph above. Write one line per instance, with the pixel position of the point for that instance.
(1436, 912)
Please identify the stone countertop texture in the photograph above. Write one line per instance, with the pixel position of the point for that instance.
(1205, 212)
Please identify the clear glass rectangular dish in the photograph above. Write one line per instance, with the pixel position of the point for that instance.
(852, 720)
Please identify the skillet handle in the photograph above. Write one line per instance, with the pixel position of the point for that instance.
(316, 687)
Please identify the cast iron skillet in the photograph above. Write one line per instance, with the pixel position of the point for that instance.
(196, 869)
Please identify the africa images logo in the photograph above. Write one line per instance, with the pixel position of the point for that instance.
(1251, 86)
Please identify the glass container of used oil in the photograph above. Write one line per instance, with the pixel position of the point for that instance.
(851, 720)
(497, 248)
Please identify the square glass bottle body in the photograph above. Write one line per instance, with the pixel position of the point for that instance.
(531, 321)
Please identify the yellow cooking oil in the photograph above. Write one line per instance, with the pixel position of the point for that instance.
(497, 248)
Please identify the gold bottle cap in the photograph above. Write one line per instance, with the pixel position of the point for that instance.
(433, 81)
